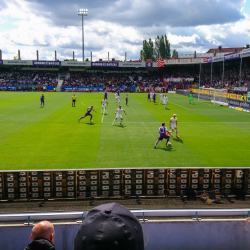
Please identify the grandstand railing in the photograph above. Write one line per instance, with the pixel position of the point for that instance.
(142, 214)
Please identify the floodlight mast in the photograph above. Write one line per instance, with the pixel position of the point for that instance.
(82, 12)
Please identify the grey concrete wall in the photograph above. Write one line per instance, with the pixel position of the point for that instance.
(162, 235)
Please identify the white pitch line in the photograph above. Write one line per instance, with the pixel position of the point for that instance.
(204, 109)
(210, 109)
(184, 122)
(103, 116)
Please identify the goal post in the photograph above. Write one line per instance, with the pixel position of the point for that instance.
(218, 96)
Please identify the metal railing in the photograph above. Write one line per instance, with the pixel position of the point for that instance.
(144, 213)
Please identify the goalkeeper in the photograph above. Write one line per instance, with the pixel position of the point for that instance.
(191, 97)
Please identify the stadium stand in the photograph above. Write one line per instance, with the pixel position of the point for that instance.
(46, 78)
(30, 80)
(184, 72)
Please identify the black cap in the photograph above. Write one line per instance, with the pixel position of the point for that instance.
(110, 227)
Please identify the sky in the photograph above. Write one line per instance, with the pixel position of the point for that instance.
(119, 26)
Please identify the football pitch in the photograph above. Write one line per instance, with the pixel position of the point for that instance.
(32, 137)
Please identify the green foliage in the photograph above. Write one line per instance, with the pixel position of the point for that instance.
(52, 138)
(159, 49)
(175, 53)
(16, 58)
(86, 60)
(162, 47)
(147, 49)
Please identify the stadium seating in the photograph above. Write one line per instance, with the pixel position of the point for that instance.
(36, 80)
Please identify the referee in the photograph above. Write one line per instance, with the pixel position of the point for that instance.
(74, 100)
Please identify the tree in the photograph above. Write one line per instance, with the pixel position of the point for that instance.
(147, 49)
(167, 47)
(16, 58)
(175, 53)
(141, 54)
(161, 48)
(86, 60)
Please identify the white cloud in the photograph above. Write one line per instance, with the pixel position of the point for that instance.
(242, 27)
(35, 29)
(37, 33)
(176, 39)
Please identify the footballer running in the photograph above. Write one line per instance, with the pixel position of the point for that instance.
(118, 113)
(165, 101)
(88, 114)
(163, 131)
(104, 105)
(173, 125)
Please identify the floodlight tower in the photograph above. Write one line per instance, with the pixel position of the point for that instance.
(82, 12)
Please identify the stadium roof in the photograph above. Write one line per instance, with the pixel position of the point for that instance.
(225, 50)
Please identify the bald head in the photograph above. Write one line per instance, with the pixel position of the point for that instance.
(43, 229)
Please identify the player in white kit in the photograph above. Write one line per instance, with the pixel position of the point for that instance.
(165, 101)
(151, 96)
(104, 103)
(116, 95)
(118, 113)
(118, 100)
(173, 125)
(161, 97)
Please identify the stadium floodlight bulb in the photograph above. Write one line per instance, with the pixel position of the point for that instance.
(83, 12)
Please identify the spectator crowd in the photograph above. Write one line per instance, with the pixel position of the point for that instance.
(181, 77)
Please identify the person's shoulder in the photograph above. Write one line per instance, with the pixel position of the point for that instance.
(40, 243)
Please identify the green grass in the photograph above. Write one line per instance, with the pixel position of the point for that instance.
(51, 137)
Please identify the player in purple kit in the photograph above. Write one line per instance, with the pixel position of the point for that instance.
(88, 113)
(148, 96)
(106, 95)
(42, 100)
(127, 100)
(162, 131)
(154, 97)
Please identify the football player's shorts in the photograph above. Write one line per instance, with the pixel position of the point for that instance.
(173, 126)
(118, 116)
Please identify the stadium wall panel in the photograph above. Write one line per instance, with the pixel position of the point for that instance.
(224, 234)
(104, 183)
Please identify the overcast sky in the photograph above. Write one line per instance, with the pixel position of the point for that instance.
(119, 26)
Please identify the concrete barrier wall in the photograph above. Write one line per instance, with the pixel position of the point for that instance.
(162, 235)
